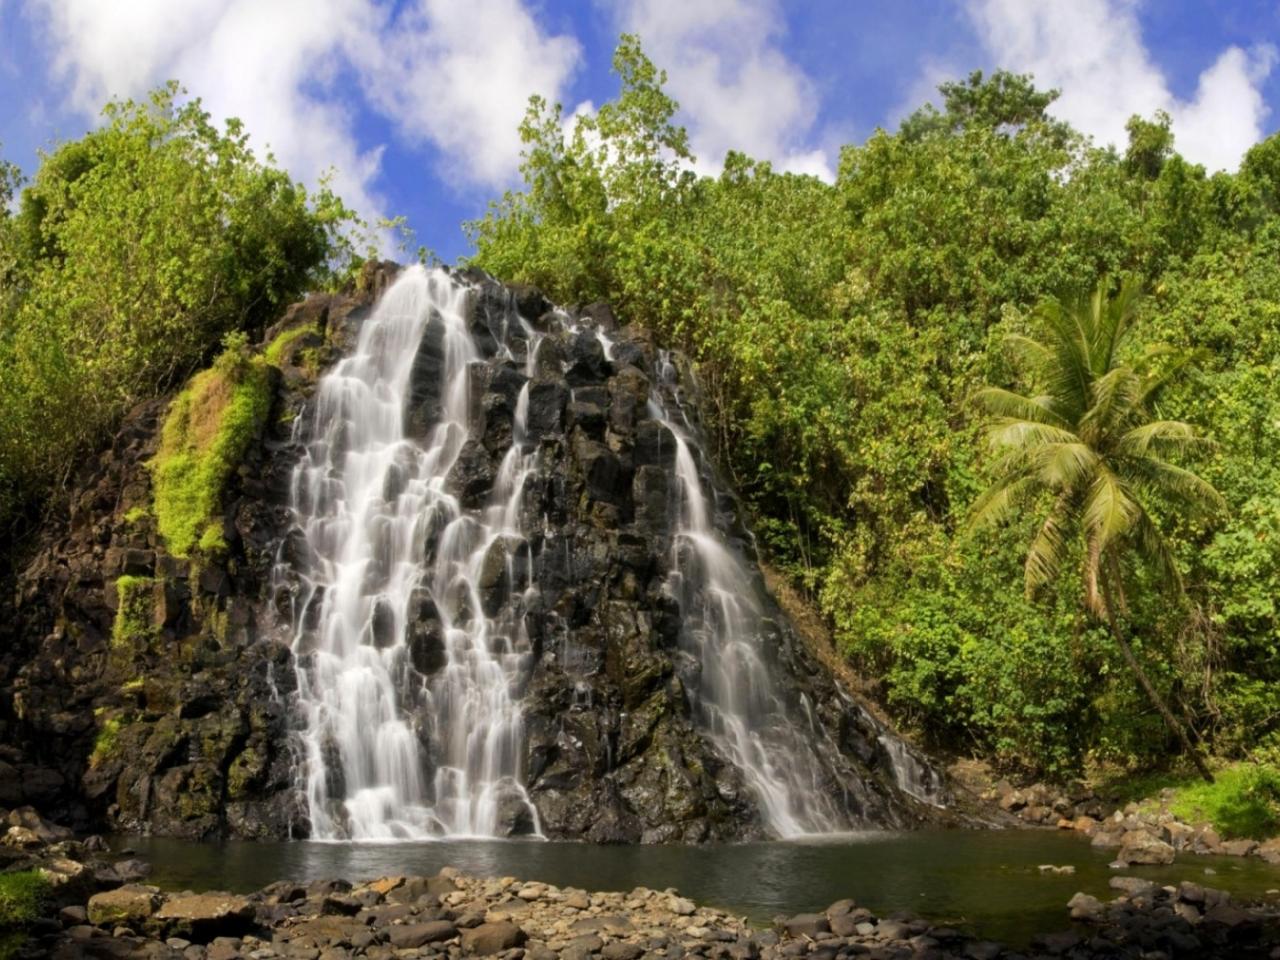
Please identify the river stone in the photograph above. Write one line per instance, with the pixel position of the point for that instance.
(1138, 846)
(1239, 848)
(983, 950)
(844, 925)
(893, 930)
(1132, 886)
(842, 907)
(202, 916)
(490, 938)
(580, 948)
(1084, 907)
(1270, 850)
(131, 903)
(806, 925)
(683, 907)
(409, 935)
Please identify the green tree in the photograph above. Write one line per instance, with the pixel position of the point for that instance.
(1089, 446)
(133, 252)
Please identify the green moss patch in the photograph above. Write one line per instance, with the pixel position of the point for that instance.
(22, 896)
(274, 353)
(135, 612)
(105, 743)
(209, 428)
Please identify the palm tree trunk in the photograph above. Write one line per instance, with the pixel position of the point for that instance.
(1152, 695)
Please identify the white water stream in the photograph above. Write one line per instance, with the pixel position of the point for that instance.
(393, 570)
(736, 698)
(386, 539)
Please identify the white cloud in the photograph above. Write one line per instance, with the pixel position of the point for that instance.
(1093, 51)
(736, 88)
(460, 76)
(456, 76)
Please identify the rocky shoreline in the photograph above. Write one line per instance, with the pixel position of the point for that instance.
(99, 906)
(1141, 834)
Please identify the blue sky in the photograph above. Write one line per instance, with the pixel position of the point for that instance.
(415, 102)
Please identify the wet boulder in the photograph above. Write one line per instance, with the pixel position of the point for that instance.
(548, 400)
(473, 474)
(426, 381)
(586, 360)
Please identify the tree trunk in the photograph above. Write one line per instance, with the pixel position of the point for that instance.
(1152, 695)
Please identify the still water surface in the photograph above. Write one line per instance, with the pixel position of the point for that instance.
(984, 881)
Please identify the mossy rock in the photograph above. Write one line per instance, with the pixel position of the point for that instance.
(208, 431)
(246, 773)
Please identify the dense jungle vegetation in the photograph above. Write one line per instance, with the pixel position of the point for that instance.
(843, 332)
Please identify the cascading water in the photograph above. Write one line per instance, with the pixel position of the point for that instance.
(913, 775)
(737, 700)
(453, 425)
(387, 549)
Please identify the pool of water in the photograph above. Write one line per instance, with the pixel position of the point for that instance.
(984, 881)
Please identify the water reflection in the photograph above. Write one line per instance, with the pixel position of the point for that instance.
(987, 881)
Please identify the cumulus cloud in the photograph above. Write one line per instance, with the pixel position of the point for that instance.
(459, 76)
(736, 88)
(298, 71)
(1093, 51)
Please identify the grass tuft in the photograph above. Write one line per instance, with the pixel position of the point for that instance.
(1243, 801)
(275, 350)
(22, 895)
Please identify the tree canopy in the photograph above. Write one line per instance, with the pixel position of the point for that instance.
(842, 331)
(133, 251)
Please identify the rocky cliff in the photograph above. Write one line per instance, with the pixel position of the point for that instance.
(186, 724)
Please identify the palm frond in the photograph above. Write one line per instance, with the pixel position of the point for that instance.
(1067, 465)
(1000, 500)
(1113, 317)
(1049, 546)
(1109, 510)
(1068, 374)
(1030, 355)
(1155, 550)
(1158, 435)
(1112, 396)
(1007, 404)
(1177, 485)
(1024, 434)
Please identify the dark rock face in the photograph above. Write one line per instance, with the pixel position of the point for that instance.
(613, 750)
(187, 733)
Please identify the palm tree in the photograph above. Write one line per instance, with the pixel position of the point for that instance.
(1087, 447)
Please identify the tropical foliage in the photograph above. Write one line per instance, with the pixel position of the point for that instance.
(1090, 445)
(130, 255)
(842, 331)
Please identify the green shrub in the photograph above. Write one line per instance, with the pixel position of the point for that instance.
(209, 428)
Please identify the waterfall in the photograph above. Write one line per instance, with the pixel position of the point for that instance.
(912, 775)
(392, 577)
(735, 697)
(409, 577)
